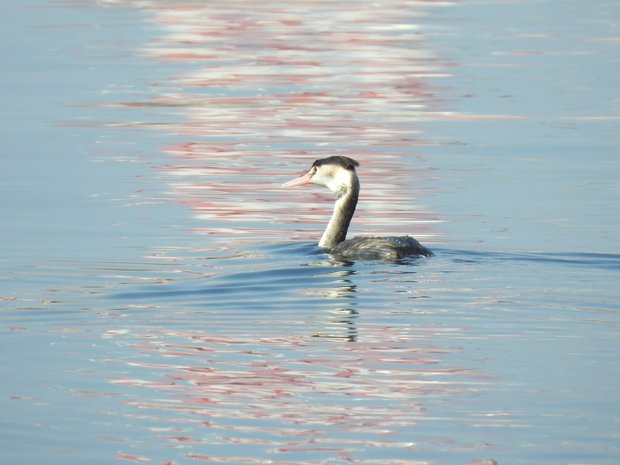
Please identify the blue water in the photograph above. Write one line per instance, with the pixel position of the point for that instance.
(161, 296)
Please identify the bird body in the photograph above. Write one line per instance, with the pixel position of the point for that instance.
(338, 174)
(379, 248)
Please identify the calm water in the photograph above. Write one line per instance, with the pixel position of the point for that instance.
(161, 298)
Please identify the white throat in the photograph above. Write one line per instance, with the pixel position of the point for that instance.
(345, 184)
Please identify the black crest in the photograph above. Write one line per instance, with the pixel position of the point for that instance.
(345, 162)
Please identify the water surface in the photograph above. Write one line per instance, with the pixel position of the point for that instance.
(163, 300)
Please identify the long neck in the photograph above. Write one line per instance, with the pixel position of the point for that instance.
(336, 230)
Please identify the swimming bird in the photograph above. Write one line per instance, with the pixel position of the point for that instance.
(338, 174)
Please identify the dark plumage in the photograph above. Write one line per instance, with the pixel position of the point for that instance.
(379, 248)
(346, 162)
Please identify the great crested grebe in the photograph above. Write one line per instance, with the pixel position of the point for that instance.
(338, 174)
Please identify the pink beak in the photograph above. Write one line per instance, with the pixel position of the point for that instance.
(301, 180)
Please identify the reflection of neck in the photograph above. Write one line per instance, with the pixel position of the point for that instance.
(336, 230)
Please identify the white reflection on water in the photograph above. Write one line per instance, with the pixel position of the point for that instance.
(297, 364)
(369, 362)
(270, 89)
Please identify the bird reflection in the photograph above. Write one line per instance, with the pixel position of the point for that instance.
(339, 322)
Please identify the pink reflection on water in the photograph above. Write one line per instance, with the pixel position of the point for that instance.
(271, 88)
(131, 458)
(289, 394)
